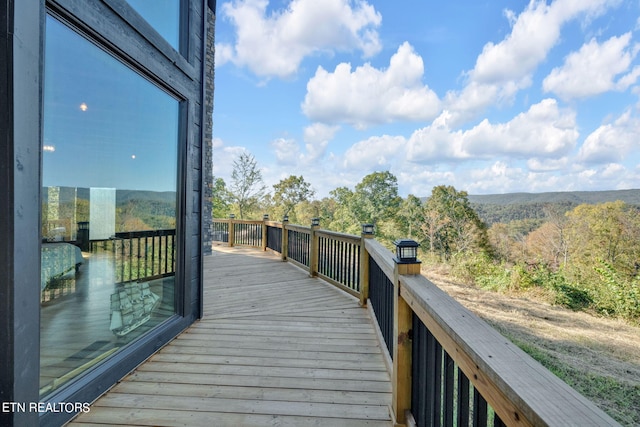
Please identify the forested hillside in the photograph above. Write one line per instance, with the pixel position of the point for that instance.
(495, 208)
(135, 210)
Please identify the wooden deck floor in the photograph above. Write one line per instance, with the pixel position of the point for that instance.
(275, 348)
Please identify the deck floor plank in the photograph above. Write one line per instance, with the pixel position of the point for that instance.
(275, 347)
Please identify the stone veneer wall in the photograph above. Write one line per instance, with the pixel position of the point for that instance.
(207, 220)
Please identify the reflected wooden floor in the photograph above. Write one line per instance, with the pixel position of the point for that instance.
(275, 348)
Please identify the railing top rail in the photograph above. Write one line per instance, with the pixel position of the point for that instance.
(300, 228)
(351, 238)
(145, 233)
(520, 389)
(381, 255)
(239, 221)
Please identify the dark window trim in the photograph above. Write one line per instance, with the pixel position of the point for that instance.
(20, 99)
(73, 15)
(131, 16)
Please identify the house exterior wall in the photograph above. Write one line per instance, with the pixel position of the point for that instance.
(207, 215)
(186, 74)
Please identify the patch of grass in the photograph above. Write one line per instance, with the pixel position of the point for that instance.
(618, 399)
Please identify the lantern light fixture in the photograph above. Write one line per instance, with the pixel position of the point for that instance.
(315, 222)
(367, 229)
(406, 251)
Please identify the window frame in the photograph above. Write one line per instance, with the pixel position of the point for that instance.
(160, 64)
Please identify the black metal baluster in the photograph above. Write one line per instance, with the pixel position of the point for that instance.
(449, 377)
(479, 410)
(463, 399)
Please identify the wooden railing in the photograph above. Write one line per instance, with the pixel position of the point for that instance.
(140, 255)
(448, 366)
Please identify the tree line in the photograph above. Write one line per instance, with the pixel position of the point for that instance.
(582, 257)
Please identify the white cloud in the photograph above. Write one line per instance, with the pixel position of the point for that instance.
(275, 44)
(504, 68)
(367, 95)
(593, 69)
(223, 158)
(375, 153)
(612, 142)
(536, 164)
(542, 131)
(286, 150)
(317, 137)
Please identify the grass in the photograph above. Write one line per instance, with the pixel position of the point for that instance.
(618, 399)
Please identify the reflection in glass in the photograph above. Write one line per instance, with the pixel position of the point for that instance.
(163, 15)
(109, 177)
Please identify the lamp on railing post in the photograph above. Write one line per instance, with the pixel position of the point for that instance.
(407, 254)
(232, 230)
(265, 218)
(406, 263)
(367, 233)
(313, 247)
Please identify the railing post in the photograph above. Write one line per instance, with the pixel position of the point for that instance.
(232, 230)
(402, 336)
(265, 218)
(367, 233)
(313, 247)
(285, 239)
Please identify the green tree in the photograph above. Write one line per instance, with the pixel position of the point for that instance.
(606, 232)
(247, 187)
(288, 193)
(411, 217)
(220, 199)
(375, 200)
(344, 219)
(451, 226)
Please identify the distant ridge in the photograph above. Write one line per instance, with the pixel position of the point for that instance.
(504, 208)
(631, 197)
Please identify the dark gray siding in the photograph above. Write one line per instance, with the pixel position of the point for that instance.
(19, 206)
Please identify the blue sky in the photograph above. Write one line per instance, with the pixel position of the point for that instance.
(488, 96)
(104, 124)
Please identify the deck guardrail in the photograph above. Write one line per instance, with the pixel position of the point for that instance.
(140, 255)
(448, 366)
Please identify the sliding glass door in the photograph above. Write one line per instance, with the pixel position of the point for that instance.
(109, 185)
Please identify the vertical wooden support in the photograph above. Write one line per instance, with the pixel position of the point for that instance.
(285, 240)
(313, 249)
(402, 350)
(364, 270)
(232, 232)
(264, 234)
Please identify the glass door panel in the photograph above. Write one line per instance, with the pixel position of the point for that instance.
(109, 185)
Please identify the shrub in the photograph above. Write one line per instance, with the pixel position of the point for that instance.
(616, 296)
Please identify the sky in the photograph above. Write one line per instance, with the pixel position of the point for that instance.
(104, 124)
(490, 97)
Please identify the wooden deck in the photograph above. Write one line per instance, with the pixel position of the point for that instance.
(275, 348)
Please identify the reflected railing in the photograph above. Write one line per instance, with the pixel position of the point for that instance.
(140, 255)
